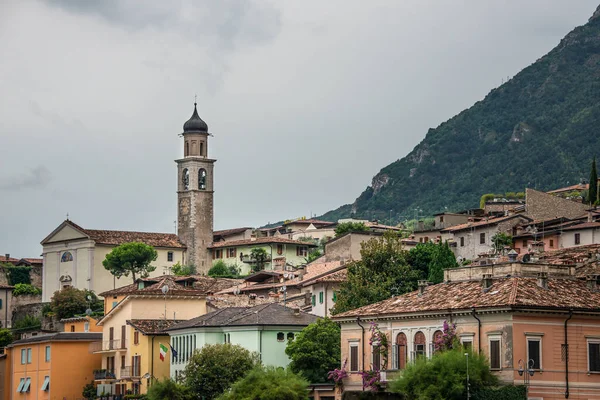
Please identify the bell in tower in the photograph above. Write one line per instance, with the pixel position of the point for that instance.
(195, 194)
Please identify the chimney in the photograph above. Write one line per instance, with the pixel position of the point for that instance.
(590, 216)
(487, 281)
(592, 282)
(543, 280)
(296, 311)
(512, 255)
(7, 255)
(422, 286)
(301, 272)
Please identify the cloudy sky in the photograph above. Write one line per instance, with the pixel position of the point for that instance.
(307, 100)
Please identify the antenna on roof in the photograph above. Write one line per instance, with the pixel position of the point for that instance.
(67, 216)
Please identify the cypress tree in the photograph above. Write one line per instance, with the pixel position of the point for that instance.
(593, 191)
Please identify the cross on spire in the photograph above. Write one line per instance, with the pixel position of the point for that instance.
(195, 99)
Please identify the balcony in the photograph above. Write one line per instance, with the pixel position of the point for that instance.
(249, 260)
(130, 372)
(108, 346)
(104, 374)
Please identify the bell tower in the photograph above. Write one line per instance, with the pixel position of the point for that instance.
(195, 193)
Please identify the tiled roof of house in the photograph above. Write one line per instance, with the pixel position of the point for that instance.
(259, 241)
(515, 292)
(227, 232)
(61, 337)
(230, 300)
(76, 319)
(309, 221)
(210, 285)
(15, 261)
(334, 277)
(153, 286)
(578, 187)
(6, 287)
(153, 326)
(3, 258)
(264, 314)
(584, 225)
(571, 255)
(488, 222)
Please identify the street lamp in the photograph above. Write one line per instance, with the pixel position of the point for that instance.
(468, 383)
(526, 371)
(165, 290)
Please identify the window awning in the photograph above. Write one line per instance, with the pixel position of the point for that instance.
(21, 384)
(46, 384)
(26, 386)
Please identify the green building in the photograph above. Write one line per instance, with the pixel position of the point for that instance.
(264, 329)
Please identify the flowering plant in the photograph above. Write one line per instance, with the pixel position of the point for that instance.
(379, 342)
(447, 339)
(338, 374)
(371, 380)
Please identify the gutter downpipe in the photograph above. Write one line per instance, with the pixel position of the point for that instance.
(478, 329)
(567, 355)
(152, 363)
(362, 344)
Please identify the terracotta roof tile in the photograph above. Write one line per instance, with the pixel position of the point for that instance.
(490, 221)
(227, 232)
(309, 221)
(153, 326)
(154, 286)
(259, 241)
(334, 277)
(516, 292)
(585, 225)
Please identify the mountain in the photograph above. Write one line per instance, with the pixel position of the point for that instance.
(540, 129)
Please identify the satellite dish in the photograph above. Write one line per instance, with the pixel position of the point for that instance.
(286, 275)
(459, 259)
(164, 289)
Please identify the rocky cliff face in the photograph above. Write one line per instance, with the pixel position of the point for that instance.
(540, 129)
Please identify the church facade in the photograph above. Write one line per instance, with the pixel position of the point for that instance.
(73, 255)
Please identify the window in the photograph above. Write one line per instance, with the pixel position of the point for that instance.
(86, 326)
(495, 353)
(524, 243)
(226, 337)
(29, 355)
(170, 256)
(46, 384)
(72, 328)
(202, 179)
(122, 361)
(551, 242)
(419, 345)
(26, 385)
(334, 297)
(185, 179)
(376, 358)
(280, 337)
(290, 336)
(201, 148)
(217, 254)
(136, 363)
(594, 356)
(231, 252)
(578, 238)
(426, 239)
(441, 218)
(136, 337)
(280, 249)
(314, 300)
(66, 257)
(354, 357)
(320, 297)
(23, 356)
(114, 304)
(462, 241)
(437, 340)
(47, 353)
(21, 384)
(400, 351)
(482, 238)
(534, 352)
(187, 149)
(0, 304)
(467, 343)
(302, 251)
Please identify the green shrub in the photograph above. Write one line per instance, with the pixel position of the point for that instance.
(6, 337)
(508, 392)
(268, 383)
(22, 289)
(219, 268)
(168, 389)
(444, 376)
(89, 391)
(18, 275)
(371, 396)
(183, 270)
(140, 397)
(27, 322)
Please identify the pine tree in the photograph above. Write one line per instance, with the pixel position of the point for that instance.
(593, 191)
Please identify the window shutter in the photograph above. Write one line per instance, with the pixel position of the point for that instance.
(395, 356)
(495, 354)
(354, 358)
(594, 355)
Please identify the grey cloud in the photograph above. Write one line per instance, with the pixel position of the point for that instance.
(35, 178)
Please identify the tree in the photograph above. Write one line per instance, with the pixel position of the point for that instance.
(69, 302)
(268, 383)
(316, 350)
(313, 255)
(168, 390)
(260, 256)
(219, 269)
(443, 258)
(214, 368)
(6, 337)
(382, 272)
(89, 392)
(444, 376)
(593, 190)
(183, 270)
(130, 258)
(27, 322)
(345, 227)
(500, 240)
(421, 256)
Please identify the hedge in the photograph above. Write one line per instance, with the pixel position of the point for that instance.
(18, 275)
(508, 392)
(22, 289)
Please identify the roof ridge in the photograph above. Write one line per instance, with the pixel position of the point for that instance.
(514, 291)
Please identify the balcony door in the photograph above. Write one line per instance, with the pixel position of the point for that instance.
(123, 328)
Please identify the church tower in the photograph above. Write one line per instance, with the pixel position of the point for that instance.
(195, 194)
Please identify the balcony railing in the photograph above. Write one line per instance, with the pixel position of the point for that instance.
(130, 372)
(102, 374)
(250, 260)
(108, 345)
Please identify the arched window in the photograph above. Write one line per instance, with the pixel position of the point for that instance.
(66, 257)
(187, 149)
(280, 336)
(290, 336)
(401, 352)
(202, 179)
(185, 178)
(419, 344)
(437, 340)
(201, 148)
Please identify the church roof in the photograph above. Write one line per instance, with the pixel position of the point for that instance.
(195, 123)
(115, 238)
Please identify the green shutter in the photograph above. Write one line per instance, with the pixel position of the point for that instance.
(321, 297)
(334, 297)
(314, 300)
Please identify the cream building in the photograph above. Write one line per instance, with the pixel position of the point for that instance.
(73, 257)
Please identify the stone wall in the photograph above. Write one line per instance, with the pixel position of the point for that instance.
(542, 206)
(35, 309)
(35, 274)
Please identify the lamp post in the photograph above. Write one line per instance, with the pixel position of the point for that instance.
(468, 383)
(165, 290)
(526, 371)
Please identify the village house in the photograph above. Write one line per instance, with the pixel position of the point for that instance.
(133, 328)
(323, 289)
(515, 313)
(264, 329)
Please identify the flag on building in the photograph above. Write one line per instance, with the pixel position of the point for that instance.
(173, 351)
(163, 351)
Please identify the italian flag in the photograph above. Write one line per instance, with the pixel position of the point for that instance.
(163, 351)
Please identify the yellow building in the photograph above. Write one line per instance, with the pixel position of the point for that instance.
(72, 256)
(53, 366)
(132, 328)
